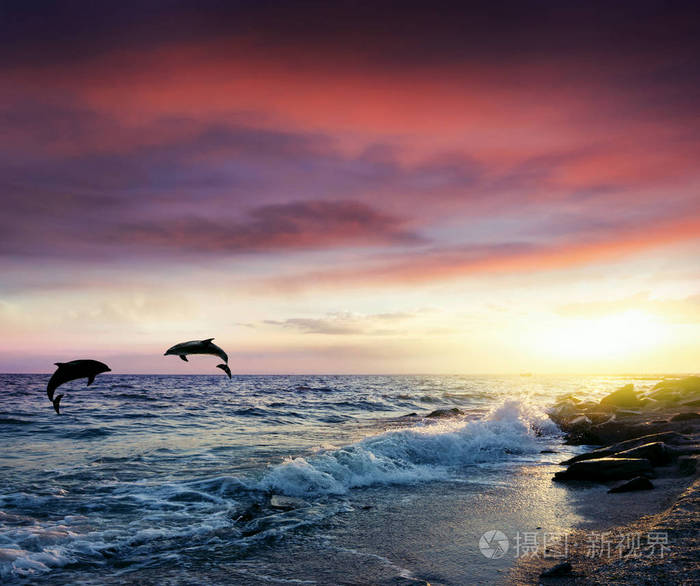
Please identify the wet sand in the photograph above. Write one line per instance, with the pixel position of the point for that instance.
(641, 537)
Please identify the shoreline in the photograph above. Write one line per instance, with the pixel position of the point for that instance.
(645, 536)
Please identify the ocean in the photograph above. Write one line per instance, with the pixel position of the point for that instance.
(156, 479)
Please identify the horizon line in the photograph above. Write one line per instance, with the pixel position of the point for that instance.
(521, 374)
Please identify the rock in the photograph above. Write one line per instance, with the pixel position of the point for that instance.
(250, 513)
(604, 469)
(577, 425)
(667, 437)
(598, 418)
(617, 431)
(656, 452)
(627, 413)
(653, 405)
(594, 455)
(685, 416)
(548, 452)
(687, 450)
(454, 412)
(577, 428)
(689, 385)
(664, 395)
(580, 421)
(625, 397)
(682, 391)
(605, 433)
(410, 415)
(563, 569)
(563, 412)
(637, 483)
(286, 502)
(687, 465)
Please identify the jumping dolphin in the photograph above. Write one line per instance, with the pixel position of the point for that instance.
(72, 370)
(200, 347)
(225, 368)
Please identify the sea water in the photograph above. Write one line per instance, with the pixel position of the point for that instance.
(168, 479)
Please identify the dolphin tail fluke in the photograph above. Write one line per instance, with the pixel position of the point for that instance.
(225, 368)
(56, 401)
(183, 357)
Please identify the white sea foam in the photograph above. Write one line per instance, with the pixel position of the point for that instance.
(420, 453)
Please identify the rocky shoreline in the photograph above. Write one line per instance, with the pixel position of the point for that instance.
(647, 441)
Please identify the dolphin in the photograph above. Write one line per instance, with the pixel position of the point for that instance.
(72, 370)
(225, 368)
(200, 347)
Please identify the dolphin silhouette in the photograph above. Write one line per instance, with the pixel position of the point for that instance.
(199, 347)
(68, 371)
(225, 368)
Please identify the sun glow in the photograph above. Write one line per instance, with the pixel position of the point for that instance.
(608, 336)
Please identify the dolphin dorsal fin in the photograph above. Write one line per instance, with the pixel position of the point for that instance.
(207, 341)
(59, 364)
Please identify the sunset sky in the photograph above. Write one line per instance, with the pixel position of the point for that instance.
(351, 187)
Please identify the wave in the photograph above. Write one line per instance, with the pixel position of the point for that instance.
(88, 433)
(415, 454)
(304, 388)
(14, 421)
(201, 510)
(140, 396)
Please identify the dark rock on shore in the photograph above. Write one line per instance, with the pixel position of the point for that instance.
(674, 390)
(667, 437)
(577, 427)
(687, 465)
(685, 416)
(454, 412)
(563, 569)
(655, 452)
(617, 431)
(639, 431)
(625, 397)
(605, 469)
(637, 483)
(598, 418)
(625, 413)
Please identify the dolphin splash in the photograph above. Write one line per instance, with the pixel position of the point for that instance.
(200, 347)
(68, 371)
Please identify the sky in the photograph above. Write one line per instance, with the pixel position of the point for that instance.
(351, 187)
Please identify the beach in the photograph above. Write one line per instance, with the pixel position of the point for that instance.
(642, 536)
